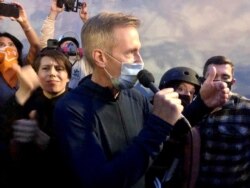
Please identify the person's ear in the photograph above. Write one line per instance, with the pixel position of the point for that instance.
(99, 58)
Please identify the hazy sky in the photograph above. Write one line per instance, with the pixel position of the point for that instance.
(173, 32)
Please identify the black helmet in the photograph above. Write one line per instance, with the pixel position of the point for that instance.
(175, 75)
(72, 39)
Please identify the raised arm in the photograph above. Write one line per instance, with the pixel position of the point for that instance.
(30, 34)
(212, 95)
(48, 27)
(1, 17)
(83, 13)
(28, 82)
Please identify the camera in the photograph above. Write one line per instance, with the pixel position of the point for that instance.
(69, 5)
(9, 10)
(52, 43)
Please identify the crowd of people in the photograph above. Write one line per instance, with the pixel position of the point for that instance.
(71, 116)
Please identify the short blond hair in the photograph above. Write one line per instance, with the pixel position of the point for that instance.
(97, 32)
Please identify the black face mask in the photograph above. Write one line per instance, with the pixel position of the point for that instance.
(229, 84)
(185, 100)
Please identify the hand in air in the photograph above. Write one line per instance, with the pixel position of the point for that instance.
(214, 93)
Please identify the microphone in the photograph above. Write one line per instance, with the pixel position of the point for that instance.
(147, 79)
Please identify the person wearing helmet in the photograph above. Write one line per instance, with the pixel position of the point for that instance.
(67, 43)
(184, 80)
(168, 169)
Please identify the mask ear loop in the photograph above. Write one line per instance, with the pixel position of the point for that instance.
(80, 52)
(112, 57)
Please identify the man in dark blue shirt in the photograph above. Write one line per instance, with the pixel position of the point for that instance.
(108, 132)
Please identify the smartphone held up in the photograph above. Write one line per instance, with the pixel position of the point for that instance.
(9, 10)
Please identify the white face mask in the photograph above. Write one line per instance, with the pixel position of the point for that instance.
(128, 76)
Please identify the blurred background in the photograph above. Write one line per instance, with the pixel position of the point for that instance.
(173, 32)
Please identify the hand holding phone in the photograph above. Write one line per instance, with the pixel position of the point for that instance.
(60, 3)
(9, 10)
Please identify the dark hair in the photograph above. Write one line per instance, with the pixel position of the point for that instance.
(57, 55)
(217, 60)
(17, 43)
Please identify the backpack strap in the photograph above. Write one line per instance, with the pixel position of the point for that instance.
(192, 157)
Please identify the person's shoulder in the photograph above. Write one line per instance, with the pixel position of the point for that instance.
(70, 95)
(238, 96)
(240, 100)
(76, 96)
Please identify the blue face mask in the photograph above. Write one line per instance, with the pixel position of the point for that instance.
(128, 76)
